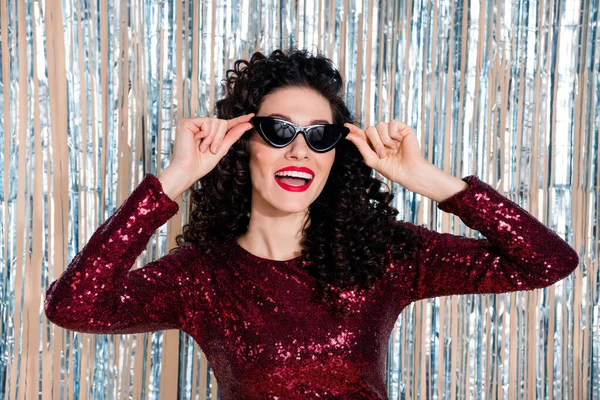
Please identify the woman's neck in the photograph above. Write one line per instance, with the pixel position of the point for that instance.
(274, 238)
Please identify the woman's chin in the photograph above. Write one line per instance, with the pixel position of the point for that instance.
(293, 208)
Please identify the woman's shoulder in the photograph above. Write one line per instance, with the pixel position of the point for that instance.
(206, 253)
(405, 240)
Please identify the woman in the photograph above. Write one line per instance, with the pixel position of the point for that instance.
(293, 268)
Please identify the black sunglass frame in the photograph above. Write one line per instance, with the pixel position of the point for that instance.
(342, 130)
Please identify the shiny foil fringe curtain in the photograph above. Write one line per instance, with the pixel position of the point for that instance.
(91, 91)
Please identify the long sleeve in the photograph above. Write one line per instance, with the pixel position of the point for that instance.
(98, 293)
(517, 253)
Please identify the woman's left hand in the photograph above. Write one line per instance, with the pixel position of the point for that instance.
(391, 149)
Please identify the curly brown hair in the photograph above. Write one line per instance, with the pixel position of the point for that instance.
(349, 235)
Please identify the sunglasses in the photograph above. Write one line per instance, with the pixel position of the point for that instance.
(279, 133)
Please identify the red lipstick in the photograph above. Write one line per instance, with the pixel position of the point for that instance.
(291, 188)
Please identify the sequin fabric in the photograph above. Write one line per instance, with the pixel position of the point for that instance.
(254, 318)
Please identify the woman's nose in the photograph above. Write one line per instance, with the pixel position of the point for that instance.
(299, 148)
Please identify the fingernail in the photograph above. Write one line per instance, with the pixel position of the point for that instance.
(381, 153)
(203, 148)
(215, 148)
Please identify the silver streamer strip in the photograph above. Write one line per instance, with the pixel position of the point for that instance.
(91, 91)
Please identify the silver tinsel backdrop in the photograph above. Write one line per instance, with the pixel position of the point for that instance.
(91, 91)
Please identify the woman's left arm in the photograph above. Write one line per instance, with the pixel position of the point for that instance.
(518, 252)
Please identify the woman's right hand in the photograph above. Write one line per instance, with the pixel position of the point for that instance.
(192, 156)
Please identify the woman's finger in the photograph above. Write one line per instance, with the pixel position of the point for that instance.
(197, 124)
(373, 135)
(404, 130)
(216, 142)
(400, 130)
(243, 120)
(382, 128)
(193, 127)
(394, 127)
(200, 127)
(217, 126)
(353, 128)
(211, 126)
(239, 120)
(359, 138)
(234, 134)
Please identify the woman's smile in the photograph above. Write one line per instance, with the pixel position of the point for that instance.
(294, 179)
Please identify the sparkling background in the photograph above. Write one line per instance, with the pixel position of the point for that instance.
(91, 91)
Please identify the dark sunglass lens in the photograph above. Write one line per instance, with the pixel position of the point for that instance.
(278, 132)
(323, 137)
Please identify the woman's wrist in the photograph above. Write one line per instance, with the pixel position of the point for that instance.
(436, 184)
(172, 183)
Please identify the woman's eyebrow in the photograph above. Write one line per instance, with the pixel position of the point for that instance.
(316, 121)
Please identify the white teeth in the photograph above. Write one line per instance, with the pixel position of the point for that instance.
(295, 174)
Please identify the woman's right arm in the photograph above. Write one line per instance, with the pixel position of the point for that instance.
(98, 293)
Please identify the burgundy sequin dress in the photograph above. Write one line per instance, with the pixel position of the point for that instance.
(254, 318)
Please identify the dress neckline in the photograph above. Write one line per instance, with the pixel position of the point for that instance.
(259, 259)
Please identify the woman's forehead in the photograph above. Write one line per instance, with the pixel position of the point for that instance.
(302, 106)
